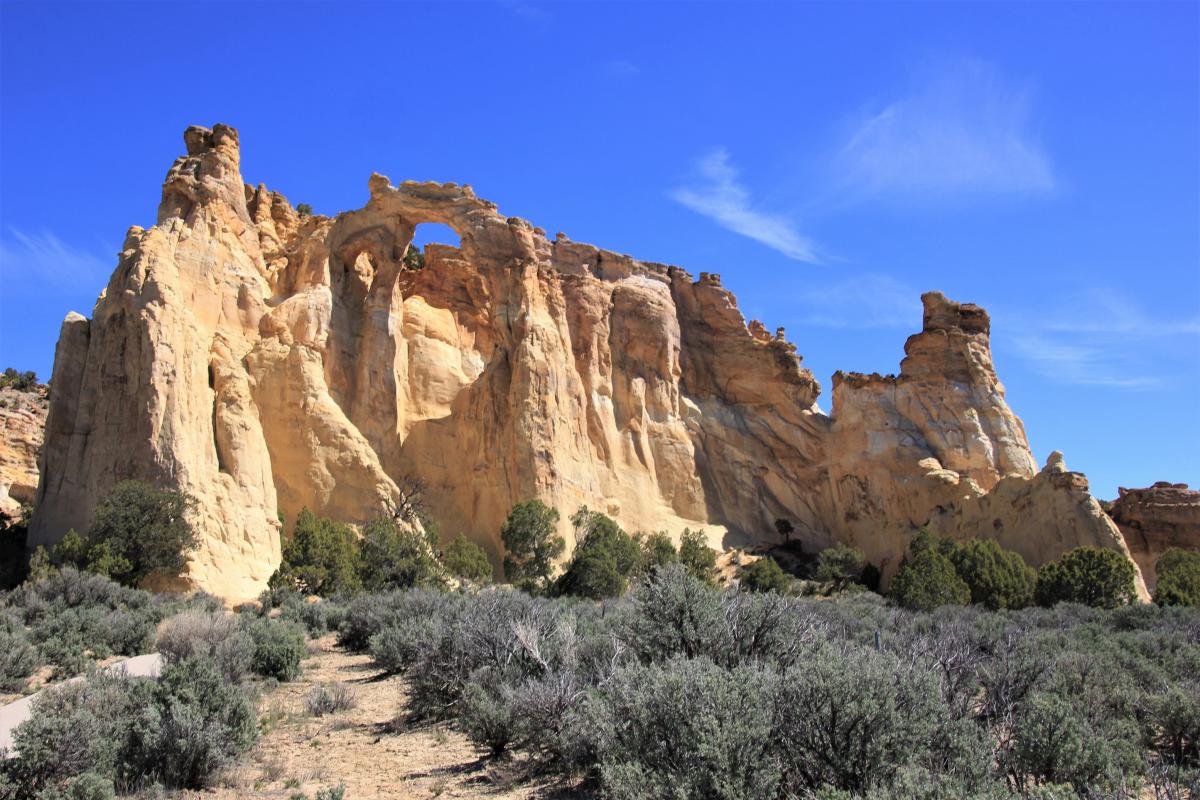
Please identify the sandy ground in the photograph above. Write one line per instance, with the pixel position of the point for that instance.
(372, 749)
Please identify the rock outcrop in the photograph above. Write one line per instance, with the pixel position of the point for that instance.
(22, 421)
(1156, 519)
(1040, 517)
(264, 361)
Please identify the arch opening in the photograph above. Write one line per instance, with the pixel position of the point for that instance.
(427, 234)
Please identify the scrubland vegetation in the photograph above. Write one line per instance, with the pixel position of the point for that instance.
(629, 672)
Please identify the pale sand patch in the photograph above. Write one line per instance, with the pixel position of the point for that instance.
(371, 749)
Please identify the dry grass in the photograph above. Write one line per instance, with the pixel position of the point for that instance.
(371, 749)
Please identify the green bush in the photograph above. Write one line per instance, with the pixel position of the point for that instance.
(1093, 576)
(137, 529)
(18, 381)
(929, 580)
(467, 560)
(321, 557)
(414, 258)
(278, 649)
(304, 209)
(764, 575)
(695, 554)
(657, 551)
(839, 565)
(1178, 574)
(604, 558)
(997, 578)
(396, 555)
(530, 543)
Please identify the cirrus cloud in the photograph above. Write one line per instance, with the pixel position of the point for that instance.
(720, 195)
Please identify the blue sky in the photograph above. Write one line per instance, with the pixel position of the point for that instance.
(830, 161)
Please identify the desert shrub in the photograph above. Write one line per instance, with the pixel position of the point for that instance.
(315, 618)
(686, 728)
(304, 209)
(88, 786)
(657, 551)
(321, 557)
(1178, 578)
(1093, 576)
(839, 565)
(764, 575)
(137, 529)
(396, 555)
(72, 615)
(215, 636)
(489, 715)
(673, 613)
(197, 724)
(75, 729)
(530, 543)
(997, 578)
(604, 558)
(1055, 742)
(696, 556)
(1171, 723)
(929, 580)
(278, 649)
(329, 698)
(18, 656)
(467, 560)
(366, 615)
(852, 720)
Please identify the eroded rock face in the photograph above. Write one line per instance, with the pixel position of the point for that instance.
(22, 420)
(1155, 519)
(265, 361)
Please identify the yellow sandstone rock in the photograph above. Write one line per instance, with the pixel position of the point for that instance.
(264, 361)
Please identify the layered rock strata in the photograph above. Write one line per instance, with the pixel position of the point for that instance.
(265, 361)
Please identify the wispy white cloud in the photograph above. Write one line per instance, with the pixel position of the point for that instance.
(870, 300)
(41, 257)
(1104, 311)
(1079, 364)
(721, 196)
(966, 130)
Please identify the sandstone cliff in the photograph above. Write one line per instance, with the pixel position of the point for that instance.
(1155, 519)
(22, 420)
(265, 361)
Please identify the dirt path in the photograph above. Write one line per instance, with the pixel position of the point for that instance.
(371, 749)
